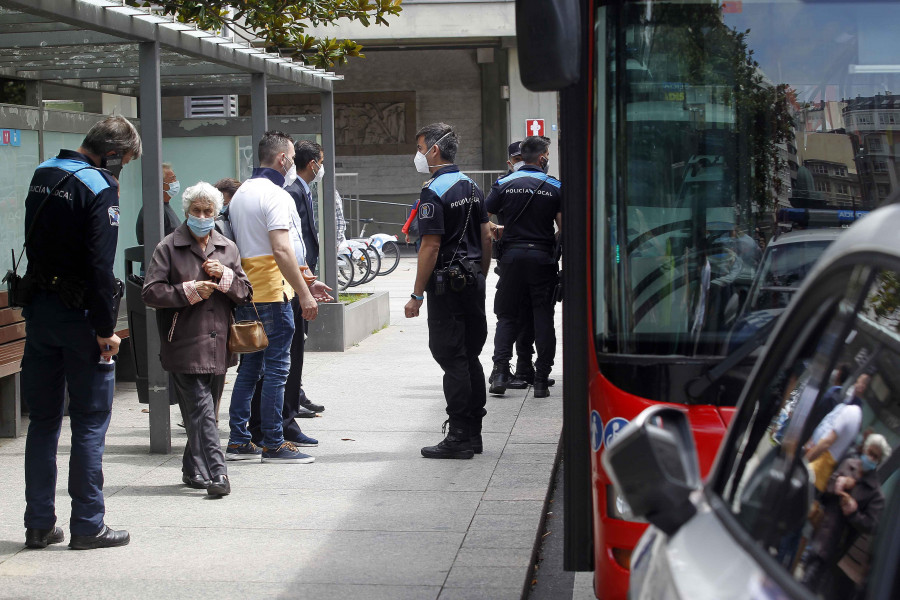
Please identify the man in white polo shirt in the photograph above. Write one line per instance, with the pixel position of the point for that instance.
(267, 232)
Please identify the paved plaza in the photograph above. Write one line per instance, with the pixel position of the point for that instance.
(369, 519)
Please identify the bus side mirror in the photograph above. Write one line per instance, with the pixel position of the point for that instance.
(653, 465)
(549, 36)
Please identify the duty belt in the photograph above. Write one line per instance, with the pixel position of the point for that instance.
(545, 247)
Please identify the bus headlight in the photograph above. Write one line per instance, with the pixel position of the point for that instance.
(617, 508)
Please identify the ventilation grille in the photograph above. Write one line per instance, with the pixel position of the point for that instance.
(196, 107)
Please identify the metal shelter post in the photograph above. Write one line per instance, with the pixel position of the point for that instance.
(151, 192)
(259, 107)
(327, 232)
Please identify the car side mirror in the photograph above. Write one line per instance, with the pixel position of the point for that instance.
(653, 465)
(549, 34)
(776, 499)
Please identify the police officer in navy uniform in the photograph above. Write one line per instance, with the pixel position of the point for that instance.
(453, 260)
(70, 321)
(527, 204)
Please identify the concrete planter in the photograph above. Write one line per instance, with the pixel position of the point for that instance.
(340, 326)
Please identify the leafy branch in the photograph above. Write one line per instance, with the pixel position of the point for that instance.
(281, 25)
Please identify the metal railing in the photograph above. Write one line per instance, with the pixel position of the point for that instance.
(389, 216)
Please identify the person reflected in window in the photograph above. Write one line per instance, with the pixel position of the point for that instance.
(836, 433)
(851, 505)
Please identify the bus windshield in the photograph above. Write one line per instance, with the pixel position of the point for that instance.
(710, 117)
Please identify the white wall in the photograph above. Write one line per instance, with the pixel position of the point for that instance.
(524, 104)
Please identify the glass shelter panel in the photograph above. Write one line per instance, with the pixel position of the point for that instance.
(727, 126)
(17, 163)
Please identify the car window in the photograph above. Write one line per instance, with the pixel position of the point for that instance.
(814, 460)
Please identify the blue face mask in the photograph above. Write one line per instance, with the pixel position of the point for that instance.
(867, 463)
(200, 226)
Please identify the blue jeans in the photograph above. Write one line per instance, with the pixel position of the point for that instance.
(273, 364)
(61, 350)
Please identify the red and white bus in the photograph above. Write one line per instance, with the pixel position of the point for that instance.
(685, 126)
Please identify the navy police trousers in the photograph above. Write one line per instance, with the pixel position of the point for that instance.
(61, 349)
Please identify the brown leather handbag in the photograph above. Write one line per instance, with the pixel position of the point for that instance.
(247, 337)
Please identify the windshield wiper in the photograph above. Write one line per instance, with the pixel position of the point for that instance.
(697, 388)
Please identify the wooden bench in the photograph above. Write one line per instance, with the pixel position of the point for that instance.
(12, 347)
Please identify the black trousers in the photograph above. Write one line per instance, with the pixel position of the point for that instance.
(197, 395)
(525, 340)
(293, 387)
(457, 330)
(526, 276)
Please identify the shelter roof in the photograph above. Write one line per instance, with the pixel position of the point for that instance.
(94, 44)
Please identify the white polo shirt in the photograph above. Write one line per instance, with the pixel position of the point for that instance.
(258, 207)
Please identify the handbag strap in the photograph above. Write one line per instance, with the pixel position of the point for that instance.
(258, 318)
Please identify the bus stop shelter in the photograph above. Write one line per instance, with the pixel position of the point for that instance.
(106, 46)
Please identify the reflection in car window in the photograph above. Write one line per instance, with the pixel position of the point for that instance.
(720, 117)
(818, 458)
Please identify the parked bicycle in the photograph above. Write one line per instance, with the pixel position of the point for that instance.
(358, 263)
(385, 245)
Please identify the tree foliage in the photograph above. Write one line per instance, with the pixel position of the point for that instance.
(280, 25)
(712, 54)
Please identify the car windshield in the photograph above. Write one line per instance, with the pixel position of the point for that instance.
(784, 268)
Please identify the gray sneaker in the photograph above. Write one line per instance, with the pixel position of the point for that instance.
(286, 453)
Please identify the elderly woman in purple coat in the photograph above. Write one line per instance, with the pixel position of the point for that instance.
(194, 281)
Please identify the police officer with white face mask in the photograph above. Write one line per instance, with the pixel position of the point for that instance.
(528, 203)
(453, 261)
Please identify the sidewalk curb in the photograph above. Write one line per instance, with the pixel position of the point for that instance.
(538, 537)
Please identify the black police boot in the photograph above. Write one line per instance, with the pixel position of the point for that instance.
(523, 377)
(541, 387)
(456, 445)
(475, 437)
(499, 378)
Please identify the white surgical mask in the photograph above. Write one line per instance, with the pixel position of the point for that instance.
(291, 175)
(174, 188)
(320, 173)
(518, 166)
(421, 161)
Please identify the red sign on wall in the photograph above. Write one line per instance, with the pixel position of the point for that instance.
(534, 127)
(732, 6)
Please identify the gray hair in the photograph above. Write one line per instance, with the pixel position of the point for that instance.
(113, 134)
(167, 166)
(876, 439)
(202, 191)
(443, 136)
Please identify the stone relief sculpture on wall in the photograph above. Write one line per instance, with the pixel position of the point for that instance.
(365, 123)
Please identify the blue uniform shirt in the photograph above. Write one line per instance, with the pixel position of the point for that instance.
(76, 232)
(444, 210)
(508, 198)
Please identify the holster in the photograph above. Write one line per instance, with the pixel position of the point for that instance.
(20, 289)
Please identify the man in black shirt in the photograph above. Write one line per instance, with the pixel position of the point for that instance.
(73, 208)
(453, 259)
(527, 203)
